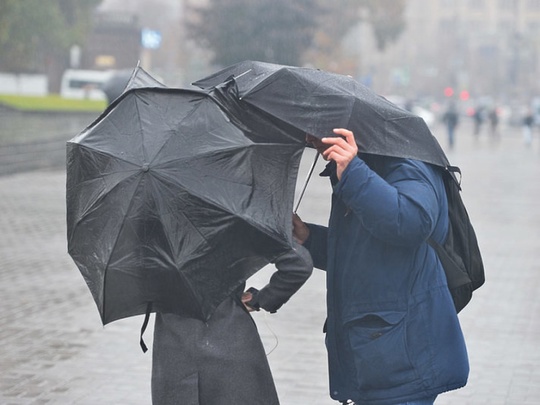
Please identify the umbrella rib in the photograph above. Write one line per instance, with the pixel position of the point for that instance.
(90, 208)
(229, 149)
(106, 153)
(170, 245)
(200, 197)
(180, 274)
(216, 205)
(141, 133)
(175, 128)
(112, 249)
(229, 179)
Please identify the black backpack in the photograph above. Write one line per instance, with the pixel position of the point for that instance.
(459, 255)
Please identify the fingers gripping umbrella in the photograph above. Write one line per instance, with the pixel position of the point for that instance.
(170, 204)
(316, 102)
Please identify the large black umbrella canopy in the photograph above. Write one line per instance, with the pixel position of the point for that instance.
(316, 102)
(170, 204)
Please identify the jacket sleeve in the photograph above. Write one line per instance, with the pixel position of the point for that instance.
(401, 209)
(293, 270)
(317, 243)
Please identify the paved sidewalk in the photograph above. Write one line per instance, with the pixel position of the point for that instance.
(55, 350)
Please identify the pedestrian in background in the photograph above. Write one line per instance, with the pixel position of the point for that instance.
(493, 117)
(451, 120)
(478, 117)
(528, 121)
(392, 332)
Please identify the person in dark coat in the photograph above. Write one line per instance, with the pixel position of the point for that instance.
(451, 119)
(528, 122)
(478, 118)
(392, 332)
(223, 361)
(494, 122)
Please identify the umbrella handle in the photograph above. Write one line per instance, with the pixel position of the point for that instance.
(306, 182)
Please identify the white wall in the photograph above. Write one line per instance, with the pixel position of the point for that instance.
(23, 84)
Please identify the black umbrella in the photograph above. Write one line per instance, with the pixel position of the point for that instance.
(315, 102)
(123, 80)
(171, 206)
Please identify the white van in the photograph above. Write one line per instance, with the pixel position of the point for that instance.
(84, 84)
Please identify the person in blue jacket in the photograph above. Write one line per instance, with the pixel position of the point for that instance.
(392, 333)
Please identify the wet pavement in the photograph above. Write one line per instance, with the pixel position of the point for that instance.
(54, 349)
(35, 140)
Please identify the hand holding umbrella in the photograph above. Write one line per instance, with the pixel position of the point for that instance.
(341, 149)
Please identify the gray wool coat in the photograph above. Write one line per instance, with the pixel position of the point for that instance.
(222, 361)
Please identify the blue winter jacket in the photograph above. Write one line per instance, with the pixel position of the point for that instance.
(392, 331)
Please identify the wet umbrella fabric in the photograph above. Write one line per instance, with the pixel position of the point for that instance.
(124, 80)
(170, 204)
(316, 102)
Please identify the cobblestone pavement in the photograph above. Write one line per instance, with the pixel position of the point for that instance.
(55, 350)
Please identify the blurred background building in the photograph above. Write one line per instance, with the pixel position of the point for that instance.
(461, 47)
(478, 47)
(149, 32)
(114, 42)
(464, 50)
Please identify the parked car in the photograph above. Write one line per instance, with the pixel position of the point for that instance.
(84, 84)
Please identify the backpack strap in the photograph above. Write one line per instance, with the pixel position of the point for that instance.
(144, 325)
(452, 170)
(456, 276)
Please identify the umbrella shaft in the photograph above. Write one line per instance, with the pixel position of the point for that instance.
(306, 182)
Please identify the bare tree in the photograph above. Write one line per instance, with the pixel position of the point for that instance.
(271, 31)
(32, 32)
(291, 32)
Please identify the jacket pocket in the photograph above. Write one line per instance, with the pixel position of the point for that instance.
(379, 348)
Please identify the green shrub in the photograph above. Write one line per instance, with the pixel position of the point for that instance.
(52, 102)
